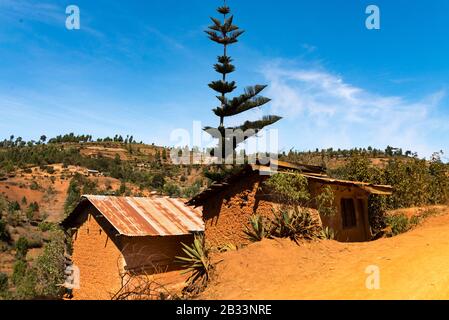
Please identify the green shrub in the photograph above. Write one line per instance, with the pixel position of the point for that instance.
(3, 205)
(416, 182)
(326, 202)
(8, 167)
(45, 226)
(358, 168)
(34, 207)
(258, 230)
(220, 173)
(157, 181)
(377, 207)
(415, 220)
(49, 268)
(172, 190)
(29, 212)
(439, 187)
(398, 223)
(34, 185)
(4, 235)
(43, 278)
(73, 195)
(410, 180)
(4, 286)
(50, 169)
(19, 270)
(122, 190)
(13, 206)
(26, 286)
(15, 218)
(289, 188)
(401, 223)
(21, 248)
(193, 190)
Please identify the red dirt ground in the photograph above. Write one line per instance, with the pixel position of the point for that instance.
(414, 265)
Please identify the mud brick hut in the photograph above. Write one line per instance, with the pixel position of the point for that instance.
(113, 236)
(227, 206)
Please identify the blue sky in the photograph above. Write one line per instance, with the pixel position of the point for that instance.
(142, 68)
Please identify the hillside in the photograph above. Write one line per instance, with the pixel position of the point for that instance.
(413, 265)
(41, 183)
(147, 167)
(49, 190)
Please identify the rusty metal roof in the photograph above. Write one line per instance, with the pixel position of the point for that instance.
(154, 216)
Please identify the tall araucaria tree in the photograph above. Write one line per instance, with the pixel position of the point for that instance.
(226, 33)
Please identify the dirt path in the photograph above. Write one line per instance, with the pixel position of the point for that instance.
(414, 265)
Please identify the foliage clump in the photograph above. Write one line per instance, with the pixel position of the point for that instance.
(4, 286)
(197, 263)
(416, 182)
(258, 229)
(295, 224)
(326, 202)
(42, 278)
(289, 188)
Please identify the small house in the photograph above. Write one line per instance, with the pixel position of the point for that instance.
(227, 206)
(113, 236)
(93, 173)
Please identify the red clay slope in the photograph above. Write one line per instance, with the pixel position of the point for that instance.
(414, 265)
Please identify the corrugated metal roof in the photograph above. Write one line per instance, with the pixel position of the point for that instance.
(155, 216)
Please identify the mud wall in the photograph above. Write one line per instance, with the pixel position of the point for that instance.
(361, 232)
(99, 261)
(227, 214)
(153, 254)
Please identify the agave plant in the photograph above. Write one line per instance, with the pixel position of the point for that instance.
(328, 233)
(258, 229)
(227, 247)
(197, 261)
(294, 224)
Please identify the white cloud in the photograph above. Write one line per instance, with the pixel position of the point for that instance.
(330, 112)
